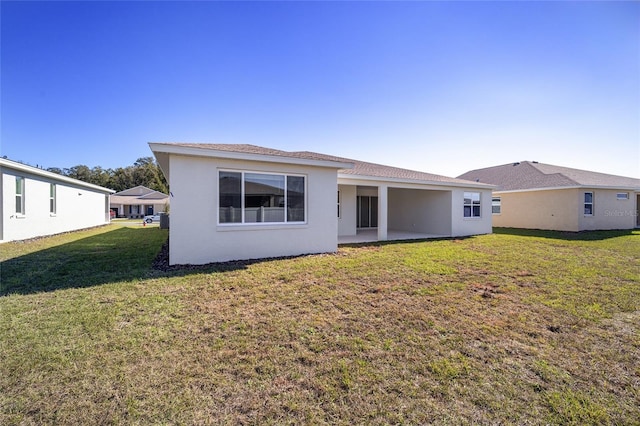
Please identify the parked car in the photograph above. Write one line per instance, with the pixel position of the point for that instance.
(152, 218)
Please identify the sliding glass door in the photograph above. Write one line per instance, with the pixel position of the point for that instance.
(367, 211)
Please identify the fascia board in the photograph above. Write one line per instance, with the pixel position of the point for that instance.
(349, 179)
(52, 176)
(558, 188)
(244, 156)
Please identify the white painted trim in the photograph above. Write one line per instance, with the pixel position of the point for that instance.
(245, 156)
(556, 188)
(50, 175)
(350, 179)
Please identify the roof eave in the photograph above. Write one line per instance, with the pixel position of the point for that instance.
(350, 176)
(554, 188)
(44, 173)
(246, 156)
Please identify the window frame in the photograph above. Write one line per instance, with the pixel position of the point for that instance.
(588, 203)
(498, 205)
(53, 199)
(21, 195)
(339, 206)
(471, 205)
(622, 196)
(286, 195)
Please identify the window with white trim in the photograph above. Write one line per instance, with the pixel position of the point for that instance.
(622, 196)
(496, 205)
(472, 204)
(19, 195)
(588, 203)
(52, 198)
(338, 203)
(256, 197)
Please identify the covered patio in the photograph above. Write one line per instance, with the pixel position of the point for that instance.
(371, 235)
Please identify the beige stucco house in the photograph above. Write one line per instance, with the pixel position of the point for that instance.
(138, 202)
(233, 202)
(533, 195)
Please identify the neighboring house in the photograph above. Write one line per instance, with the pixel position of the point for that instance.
(36, 202)
(138, 202)
(533, 195)
(233, 202)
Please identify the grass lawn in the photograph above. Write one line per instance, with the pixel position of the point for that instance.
(518, 327)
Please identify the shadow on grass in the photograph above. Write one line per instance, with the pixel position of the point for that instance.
(566, 236)
(121, 254)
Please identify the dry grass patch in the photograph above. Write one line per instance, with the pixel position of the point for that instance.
(506, 328)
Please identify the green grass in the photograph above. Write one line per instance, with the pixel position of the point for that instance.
(517, 327)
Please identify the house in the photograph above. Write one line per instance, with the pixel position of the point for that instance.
(138, 202)
(233, 202)
(533, 195)
(36, 202)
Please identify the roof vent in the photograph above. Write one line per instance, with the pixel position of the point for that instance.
(534, 162)
(516, 164)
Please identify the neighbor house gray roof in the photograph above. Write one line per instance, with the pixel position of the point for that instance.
(529, 175)
(139, 195)
(360, 168)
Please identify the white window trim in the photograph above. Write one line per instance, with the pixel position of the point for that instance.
(584, 203)
(625, 196)
(472, 217)
(499, 199)
(274, 225)
(53, 198)
(23, 185)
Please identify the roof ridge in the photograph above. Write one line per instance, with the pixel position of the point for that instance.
(534, 165)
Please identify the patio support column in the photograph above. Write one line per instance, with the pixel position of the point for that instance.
(382, 212)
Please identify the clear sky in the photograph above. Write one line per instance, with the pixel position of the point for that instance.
(441, 87)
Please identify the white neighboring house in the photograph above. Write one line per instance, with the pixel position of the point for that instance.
(232, 202)
(36, 203)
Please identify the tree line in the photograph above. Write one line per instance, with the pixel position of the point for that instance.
(145, 171)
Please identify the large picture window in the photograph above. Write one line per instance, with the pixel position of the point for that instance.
(471, 204)
(251, 197)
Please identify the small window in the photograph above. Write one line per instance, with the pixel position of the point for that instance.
(19, 195)
(52, 198)
(472, 204)
(338, 204)
(588, 203)
(622, 196)
(496, 205)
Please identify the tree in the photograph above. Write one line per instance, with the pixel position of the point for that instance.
(100, 176)
(145, 171)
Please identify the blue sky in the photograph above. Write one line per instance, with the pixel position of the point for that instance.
(442, 87)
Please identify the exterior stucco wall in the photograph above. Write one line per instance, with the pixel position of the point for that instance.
(608, 211)
(197, 238)
(347, 221)
(77, 207)
(462, 226)
(563, 210)
(550, 210)
(414, 210)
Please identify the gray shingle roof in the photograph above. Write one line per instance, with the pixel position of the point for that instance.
(532, 175)
(361, 168)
